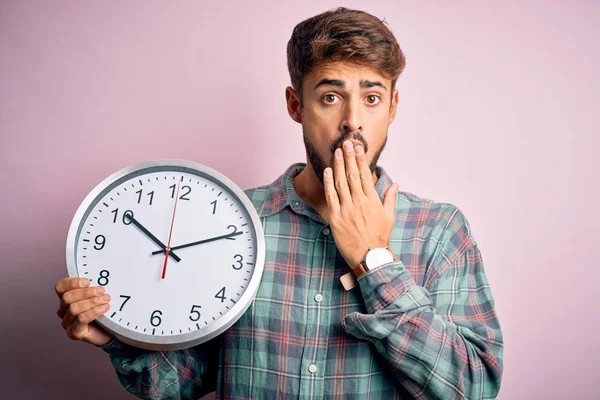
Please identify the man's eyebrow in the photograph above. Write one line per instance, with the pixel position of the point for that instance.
(330, 82)
(365, 84)
(370, 84)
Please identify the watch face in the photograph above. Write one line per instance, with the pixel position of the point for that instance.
(198, 288)
(377, 257)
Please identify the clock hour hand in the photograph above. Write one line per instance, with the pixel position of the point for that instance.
(183, 246)
(151, 236)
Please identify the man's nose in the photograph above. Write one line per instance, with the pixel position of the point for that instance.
(352, 119)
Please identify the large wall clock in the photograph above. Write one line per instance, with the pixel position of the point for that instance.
(178, 246)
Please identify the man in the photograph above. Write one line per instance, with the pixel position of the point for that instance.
(420, 321)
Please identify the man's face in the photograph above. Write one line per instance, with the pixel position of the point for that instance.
(343, 101)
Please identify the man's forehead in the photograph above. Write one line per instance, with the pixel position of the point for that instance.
(350, 73)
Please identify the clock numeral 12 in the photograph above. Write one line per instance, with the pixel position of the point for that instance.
(184, 188)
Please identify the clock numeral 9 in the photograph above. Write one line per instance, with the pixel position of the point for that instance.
(238, 261)
(155, 319)
(103, 280)
(151, 194)
(184, 188)
(221, 295)
(196, 312)
(126, 215)
(100, 240)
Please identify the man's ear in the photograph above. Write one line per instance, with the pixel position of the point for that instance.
(293, 104)
(393, 105)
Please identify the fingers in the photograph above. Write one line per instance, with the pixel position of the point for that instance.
(352, 171)
(75, 295)
(339, 175)
(66, 284)
(80, 325)
(83, 306)
(366, 177)
(331, 196)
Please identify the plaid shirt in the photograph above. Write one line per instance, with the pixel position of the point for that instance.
(423, 327)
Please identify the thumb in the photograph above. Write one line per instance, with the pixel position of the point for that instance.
(389, 199)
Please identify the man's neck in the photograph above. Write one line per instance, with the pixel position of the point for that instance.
(311, 191)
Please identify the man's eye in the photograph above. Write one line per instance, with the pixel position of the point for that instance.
(329, 98)
(372, 99)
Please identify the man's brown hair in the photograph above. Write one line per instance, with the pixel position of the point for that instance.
(343, 35)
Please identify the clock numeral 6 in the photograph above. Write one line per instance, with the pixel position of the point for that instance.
(126, 215)
(155, 318)
(221, 295)
(103, 280)
(238, 261)
(184, 188)
(196, 312)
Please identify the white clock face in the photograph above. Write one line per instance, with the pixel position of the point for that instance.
(213, 266)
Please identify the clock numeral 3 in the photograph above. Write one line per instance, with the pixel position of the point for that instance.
(196, 312)
(184, 188)
(103, 280)
(155, 318)
(238, 261)
(221, 295)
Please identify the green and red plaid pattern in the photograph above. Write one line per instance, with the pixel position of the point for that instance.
(423, 327)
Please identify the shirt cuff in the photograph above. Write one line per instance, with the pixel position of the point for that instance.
(382, 286)
(114, 346)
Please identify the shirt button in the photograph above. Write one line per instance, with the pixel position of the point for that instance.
(326, 231)
(318, 297)
(312, 369)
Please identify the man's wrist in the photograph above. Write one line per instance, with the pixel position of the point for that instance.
(374, 258)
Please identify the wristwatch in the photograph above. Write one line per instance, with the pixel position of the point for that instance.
(374, 258)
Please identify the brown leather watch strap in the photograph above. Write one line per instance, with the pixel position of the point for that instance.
(361, 269)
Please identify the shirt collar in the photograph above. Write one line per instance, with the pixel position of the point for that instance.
(281, 194)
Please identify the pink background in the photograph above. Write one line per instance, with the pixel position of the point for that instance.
(498, 115)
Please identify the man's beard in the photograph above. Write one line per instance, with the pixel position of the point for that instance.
(319, 165)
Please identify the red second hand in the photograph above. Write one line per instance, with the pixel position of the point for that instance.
(168, 249)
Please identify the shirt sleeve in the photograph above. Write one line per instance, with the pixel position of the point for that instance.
(441, 340)
(180, 374)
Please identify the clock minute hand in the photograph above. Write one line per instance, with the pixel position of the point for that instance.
(151, 236)
(183, 246)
